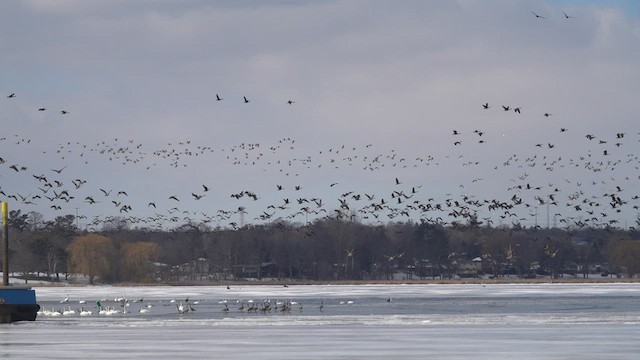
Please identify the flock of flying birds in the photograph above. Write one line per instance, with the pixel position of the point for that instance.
(542, 179)
(604, 193)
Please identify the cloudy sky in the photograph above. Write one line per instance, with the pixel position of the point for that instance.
(378, 91)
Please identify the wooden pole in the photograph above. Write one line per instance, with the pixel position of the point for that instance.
(5, 237)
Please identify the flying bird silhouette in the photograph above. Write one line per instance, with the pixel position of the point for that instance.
(538, 16)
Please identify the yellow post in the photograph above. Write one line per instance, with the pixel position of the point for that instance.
(5, 213)
(5, 236)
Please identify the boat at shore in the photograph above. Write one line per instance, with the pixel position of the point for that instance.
(17, 303)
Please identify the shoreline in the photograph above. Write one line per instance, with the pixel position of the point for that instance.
(286, 283)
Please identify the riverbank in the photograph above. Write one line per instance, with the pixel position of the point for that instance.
(286, 282)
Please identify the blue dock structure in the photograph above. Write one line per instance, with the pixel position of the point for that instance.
(17, 303)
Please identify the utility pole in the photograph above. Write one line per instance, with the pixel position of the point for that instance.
(5, 237)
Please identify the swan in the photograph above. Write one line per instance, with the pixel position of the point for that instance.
(84, 312)
(68, 311)
(181, 308)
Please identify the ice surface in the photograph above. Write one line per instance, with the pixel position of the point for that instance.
(524, 321)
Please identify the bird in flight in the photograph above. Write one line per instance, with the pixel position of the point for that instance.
(567, 16)
(538, 16)
(290, 102)
(485, 105)
(506, 108)
(218, 98)
(42, 109)
(246, 101)
(12, 95)
(59, 170)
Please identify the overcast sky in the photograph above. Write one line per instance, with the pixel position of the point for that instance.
(377, 89)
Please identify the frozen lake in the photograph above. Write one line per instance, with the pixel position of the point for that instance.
(536, 321)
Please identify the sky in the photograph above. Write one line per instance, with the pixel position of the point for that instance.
(386, 100)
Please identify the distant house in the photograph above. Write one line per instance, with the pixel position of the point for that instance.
(267, 270)
(469, 268)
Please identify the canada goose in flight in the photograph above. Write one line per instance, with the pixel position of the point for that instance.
(12, 95)
(64, 112)
(547, 114)
(290, 102)
(42, 109)
(506, 108)
(517, 110)
(206, 188)
(246, 101)
(485, 105)
(218, 98)
(567, 16)
(538, 16)
(59, 170)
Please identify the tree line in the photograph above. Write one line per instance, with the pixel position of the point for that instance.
(326, 249)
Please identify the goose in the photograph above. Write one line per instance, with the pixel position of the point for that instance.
(538, 16)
